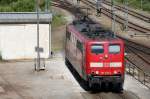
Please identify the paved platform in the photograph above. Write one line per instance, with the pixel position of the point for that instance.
(18, 80)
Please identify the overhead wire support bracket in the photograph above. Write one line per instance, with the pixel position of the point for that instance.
(99, 7)
(113, 23)
(38, 49)
(126, 15)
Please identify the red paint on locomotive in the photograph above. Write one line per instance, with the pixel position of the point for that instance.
(95, 53)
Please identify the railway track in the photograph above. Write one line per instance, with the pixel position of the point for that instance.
(144, 52)
(137, 62)
(138, 73)
(119, 19)
(138, 51)
(102, 95)
(140, 59)
(64, 4)
(130, 12)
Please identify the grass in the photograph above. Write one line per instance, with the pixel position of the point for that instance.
(17, 5)
(136, 4)
(58, 20)
(58, 28)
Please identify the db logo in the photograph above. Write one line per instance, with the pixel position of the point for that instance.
(106, 64)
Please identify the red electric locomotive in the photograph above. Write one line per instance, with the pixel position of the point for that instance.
(96, 54)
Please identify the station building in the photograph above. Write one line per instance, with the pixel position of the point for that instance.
(18, 35)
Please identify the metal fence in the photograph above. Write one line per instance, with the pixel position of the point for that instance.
(137, 73)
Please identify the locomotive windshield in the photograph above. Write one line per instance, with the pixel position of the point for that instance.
(114, 49)
(97, 49)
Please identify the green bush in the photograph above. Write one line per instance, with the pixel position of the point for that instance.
(146, 7)
(20, 5)
(137, 4)
(5, 9)
(17, 5)
(23, 6)
(58, 20)
(7, 2)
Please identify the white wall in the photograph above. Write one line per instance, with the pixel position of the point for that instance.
(18, 41)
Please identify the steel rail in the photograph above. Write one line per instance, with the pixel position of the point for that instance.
(137, 73)
(137, 54)
(119, 19)
(131, 68)
(131, 12)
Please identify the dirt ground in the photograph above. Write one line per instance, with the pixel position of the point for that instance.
(58, 38)
(58, 33)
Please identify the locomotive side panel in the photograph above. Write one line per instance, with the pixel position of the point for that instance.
(74, 51)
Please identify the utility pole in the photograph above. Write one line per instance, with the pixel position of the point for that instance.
(78, 3)
(113, 16)
(126, 14)
(99, 7)
(46, 5)
(38, 44)
(141, 4)
(49, 5)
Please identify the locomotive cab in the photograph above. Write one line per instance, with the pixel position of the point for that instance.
(105, 63)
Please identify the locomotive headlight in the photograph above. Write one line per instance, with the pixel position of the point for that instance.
(115, 72)
(97, 72)
(115, 64)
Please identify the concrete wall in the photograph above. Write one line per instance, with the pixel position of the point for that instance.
(18, 41)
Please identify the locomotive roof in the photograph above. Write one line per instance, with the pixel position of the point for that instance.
(93, 30)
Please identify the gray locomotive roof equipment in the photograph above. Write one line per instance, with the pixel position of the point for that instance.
(93, 30)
